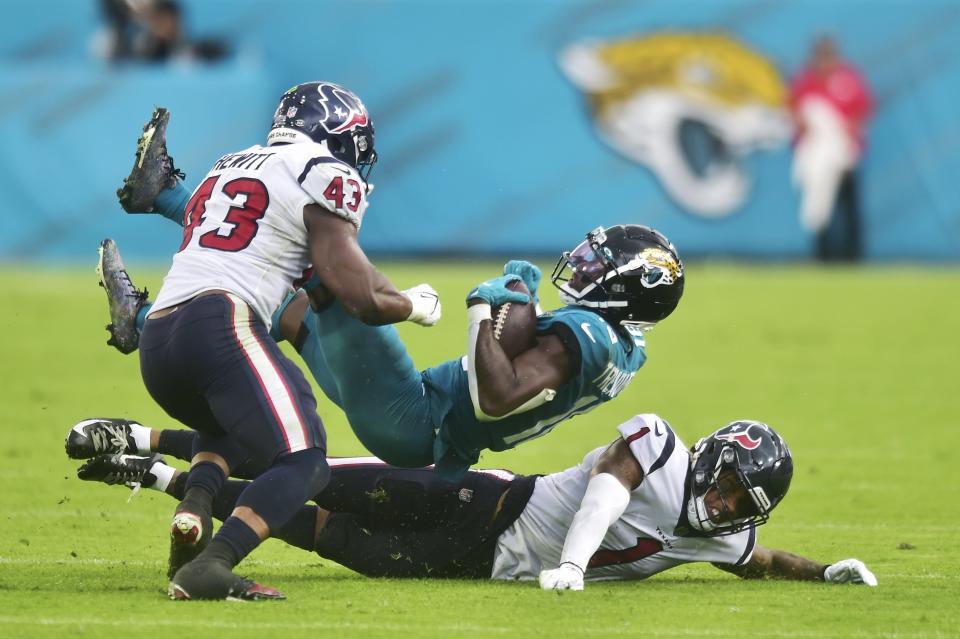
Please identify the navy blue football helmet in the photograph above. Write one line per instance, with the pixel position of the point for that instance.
(744, 456)
(326, 113)
(630, 274)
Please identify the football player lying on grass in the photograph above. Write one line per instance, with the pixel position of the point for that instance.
(639, 506)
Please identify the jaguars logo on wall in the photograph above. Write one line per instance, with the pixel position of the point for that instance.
(690, 107)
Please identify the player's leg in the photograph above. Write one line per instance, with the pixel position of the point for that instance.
(152, 472)
(154, 183)
(411, 523)
(378, 386)
(115, 436)
(263, 401)
(385, 521)
(181, 355)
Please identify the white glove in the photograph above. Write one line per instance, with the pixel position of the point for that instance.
(426, 305)
(567, 577)
(849, 571)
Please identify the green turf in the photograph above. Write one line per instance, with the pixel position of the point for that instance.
(857, 368)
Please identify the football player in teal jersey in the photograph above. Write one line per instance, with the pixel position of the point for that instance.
(616, 284)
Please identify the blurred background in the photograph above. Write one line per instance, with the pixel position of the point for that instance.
(749, 129)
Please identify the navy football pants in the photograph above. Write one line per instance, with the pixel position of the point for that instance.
(212, 366)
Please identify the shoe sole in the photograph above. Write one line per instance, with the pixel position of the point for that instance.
(123, 341)
(158, 121)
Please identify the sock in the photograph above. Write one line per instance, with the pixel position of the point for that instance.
(163, 474)
(177, 443)
(234, 541)
(141, 437)
(179, 489)
(205, 481)
(142, 316)
(171, 203)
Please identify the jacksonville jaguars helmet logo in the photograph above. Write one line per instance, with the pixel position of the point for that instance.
(344, 110)
(659, 267)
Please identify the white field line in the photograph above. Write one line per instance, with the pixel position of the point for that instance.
(591, 630)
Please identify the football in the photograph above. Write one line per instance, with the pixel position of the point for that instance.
(515, 325)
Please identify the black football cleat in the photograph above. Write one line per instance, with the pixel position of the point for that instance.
(124, 299)
(213, 580)
(132, 471)
(153, 168)
(190, 532)
(100, 436)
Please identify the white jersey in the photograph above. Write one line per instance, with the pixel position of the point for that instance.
(639, 544)
(244, 230)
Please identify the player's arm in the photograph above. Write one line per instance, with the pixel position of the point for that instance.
(615, 474)
(505, 386)
(499, 386)
(344, 270)
(780, 564)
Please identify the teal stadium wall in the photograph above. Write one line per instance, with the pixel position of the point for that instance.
(486, 146)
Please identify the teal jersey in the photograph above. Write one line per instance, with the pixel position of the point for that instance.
(608, 360)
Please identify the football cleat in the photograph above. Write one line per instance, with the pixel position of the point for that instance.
(213, 580)
(100, 436)
(189, 535)
(132, 471)
(124, 298)
(153, 168)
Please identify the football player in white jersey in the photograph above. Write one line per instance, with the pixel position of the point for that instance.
(634, 508)
(259, 222)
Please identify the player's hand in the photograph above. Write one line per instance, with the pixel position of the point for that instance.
(495, 292)
(529, 273)
(849, 571)
(426, 305)
(567, 577)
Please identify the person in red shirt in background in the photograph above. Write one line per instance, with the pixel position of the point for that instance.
(830, 103)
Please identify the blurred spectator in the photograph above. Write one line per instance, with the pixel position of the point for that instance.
(153, 31)
(830, 103)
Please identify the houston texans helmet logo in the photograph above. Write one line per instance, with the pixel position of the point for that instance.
(344, 110)
(742, 438)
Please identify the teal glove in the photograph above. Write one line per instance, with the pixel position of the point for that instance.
(495, 292)
(529, 273)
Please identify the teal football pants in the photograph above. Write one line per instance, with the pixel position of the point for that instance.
(368, 373)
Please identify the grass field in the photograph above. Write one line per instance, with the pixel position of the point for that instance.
(857, 368)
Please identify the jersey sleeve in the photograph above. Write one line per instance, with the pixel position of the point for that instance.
(736, 549)
(330, 183)
(592, 336)
(651, 440)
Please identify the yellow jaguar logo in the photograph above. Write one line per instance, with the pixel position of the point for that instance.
(689, 106)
